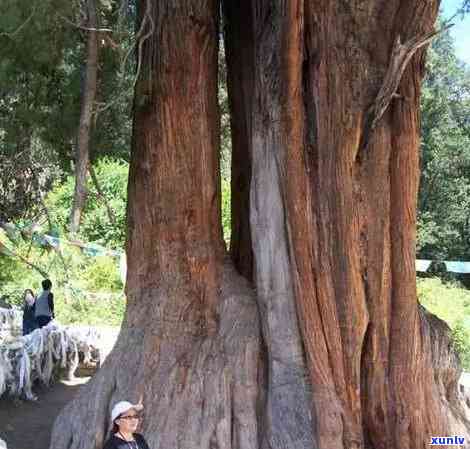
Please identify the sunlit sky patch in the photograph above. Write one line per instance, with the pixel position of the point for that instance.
(461, 29)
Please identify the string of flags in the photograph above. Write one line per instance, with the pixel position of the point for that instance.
(33, 232)
(95, 250)
(452, 266)
(90, 249)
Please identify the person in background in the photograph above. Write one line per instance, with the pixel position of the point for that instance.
(44, 309)
(29, 318)
(125, 419)
(4, 302)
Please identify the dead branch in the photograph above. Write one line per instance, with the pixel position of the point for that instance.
(84, 28)
(23, 259)
(101, 195)
(139, 40)
(465, 5)
(14, 33)
(399, 59)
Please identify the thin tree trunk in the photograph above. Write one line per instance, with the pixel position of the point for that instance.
(90, 85)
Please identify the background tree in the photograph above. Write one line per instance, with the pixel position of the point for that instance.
(88, 100)
(31, 80)
(444, 193)
(42, 52)
(105, 26)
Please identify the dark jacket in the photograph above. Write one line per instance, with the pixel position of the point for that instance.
(115, 442)
(29, 319)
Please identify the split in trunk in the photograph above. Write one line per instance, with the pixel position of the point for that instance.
(327, 234)
(190, 338)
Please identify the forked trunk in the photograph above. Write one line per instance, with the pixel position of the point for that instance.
(190, 339)
(325, 177)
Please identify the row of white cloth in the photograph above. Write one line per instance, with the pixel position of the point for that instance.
(34, 356)
(23, 359)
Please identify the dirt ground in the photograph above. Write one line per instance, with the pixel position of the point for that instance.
(28, 424)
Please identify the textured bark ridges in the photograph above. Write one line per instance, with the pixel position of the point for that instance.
(347, 216)
(350, 361)
(190, 339)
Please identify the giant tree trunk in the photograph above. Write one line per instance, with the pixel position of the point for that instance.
(90, 84)
(334, 193)
(190, 338)
(347, 360)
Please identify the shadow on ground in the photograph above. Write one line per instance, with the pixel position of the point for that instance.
(28, 424)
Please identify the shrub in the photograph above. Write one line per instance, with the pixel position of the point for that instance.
(461, 342)
(96, 225)
(226, 211)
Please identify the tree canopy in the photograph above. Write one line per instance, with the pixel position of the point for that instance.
(41, 76)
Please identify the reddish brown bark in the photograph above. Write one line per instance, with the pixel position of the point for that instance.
(350, 201)
(350, 361)
(189, 341)
(349, 196)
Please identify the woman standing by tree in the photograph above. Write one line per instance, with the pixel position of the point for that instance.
(125, 419)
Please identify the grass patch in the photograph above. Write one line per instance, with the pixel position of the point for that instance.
(450, 302)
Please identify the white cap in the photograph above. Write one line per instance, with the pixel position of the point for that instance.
(123, 407)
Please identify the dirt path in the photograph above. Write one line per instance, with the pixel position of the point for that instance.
(28, 425)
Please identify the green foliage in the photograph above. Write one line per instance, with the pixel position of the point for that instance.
(35, 102)
(226, 211)
(461, 342)
(225, 126)
(96, 224)
(444, 196)
(42, 55)
(90, 292)
(109, 312)
(447, 300)
(102, 275)
(225, 147)
(15, 278)
(86, 289)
